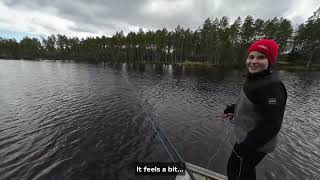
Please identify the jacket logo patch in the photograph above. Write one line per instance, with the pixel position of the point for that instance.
(272, 101)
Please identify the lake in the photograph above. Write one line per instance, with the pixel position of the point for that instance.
(72, 120)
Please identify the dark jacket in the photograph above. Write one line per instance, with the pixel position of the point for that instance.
(259, 112)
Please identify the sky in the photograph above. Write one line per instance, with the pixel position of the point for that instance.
(83, 18)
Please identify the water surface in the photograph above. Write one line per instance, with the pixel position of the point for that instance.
(67, 120)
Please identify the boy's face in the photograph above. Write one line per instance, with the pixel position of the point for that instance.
(256, 62)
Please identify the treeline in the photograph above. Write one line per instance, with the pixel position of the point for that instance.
(217, 42)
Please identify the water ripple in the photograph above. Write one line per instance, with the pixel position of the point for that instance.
(83, 121)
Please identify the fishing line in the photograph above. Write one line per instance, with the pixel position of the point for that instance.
(163, 138)
(168, 145)
(227, 145)
(238, 156)
(154, 128)
(220, 145)
(159, 132)
(241, 159)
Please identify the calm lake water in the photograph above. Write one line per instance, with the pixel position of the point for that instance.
(67, 120)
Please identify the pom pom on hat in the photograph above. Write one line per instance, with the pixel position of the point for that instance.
(268, 47)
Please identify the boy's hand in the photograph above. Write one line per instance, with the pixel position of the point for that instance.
(228, 115)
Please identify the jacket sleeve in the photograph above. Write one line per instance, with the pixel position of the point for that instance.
(270, 101)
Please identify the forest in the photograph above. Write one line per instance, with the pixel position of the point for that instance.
(218, 42)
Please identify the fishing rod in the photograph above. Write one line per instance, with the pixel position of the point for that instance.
(172, 151)
(175, 156)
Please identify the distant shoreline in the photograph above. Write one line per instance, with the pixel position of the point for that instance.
(280, 65)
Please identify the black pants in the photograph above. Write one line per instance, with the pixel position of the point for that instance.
(248, 166)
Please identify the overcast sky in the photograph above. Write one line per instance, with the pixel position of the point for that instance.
(84, 18)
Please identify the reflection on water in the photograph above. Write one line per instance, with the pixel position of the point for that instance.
(67, 120)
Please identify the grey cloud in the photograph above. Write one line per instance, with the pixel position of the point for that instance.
(257, 9)
(82, 29)
(100, 15)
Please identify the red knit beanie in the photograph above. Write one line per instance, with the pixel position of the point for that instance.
(266, 46)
